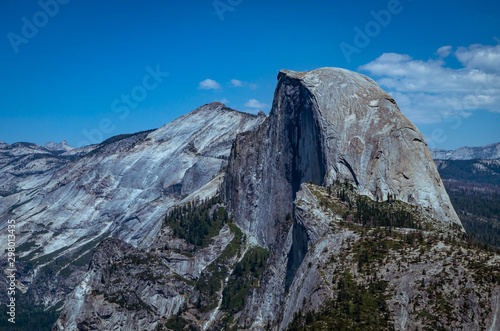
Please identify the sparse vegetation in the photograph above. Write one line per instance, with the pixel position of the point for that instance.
(356, 307)
(451, 271)
(246, 274)
(343, 199)
(478, 206)
(474, 190)
(210, 283)
(128, 300)
(29, 317)
(197, 222)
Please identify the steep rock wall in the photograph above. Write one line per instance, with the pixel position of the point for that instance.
(266, 167)
(325, 125)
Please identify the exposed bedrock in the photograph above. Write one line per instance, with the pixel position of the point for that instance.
(325, 125)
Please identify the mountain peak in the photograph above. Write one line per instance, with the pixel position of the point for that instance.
(217, 106)
(58, 147)
(214, 105)
(331, 125)
(491, 151)
(328, 75)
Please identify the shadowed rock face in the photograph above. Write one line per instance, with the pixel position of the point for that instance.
(267, 167)
(324, 125)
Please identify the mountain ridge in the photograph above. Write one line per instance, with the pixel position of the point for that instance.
(64, 204)
(327, 213)
(490, 151)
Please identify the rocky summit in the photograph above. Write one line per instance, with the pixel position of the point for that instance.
(327, 214)
(329, 125)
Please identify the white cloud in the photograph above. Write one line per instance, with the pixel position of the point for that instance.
(240, 83)
(209, 84)
(429, 92)
(253, 103)
(224, 101)
(481, 57)
(444, 51)
(236, 83)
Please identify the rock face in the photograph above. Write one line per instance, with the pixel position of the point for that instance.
(124, 289)
(488, 152)
(413, 277)
(325, 125)
(64, 203)
(336, 186)
(58, 147)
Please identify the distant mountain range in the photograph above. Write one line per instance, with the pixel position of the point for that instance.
(488, 152)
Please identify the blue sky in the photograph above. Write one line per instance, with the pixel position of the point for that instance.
(87, 70)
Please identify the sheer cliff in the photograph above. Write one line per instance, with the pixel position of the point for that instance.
(325, 125)
(327, 214)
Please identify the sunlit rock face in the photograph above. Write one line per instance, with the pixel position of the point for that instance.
(325, 125)
(65, 202)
